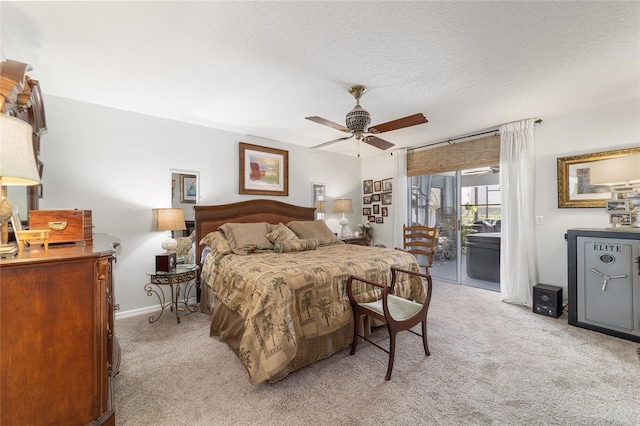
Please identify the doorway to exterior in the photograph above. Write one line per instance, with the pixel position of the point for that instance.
(465, 207)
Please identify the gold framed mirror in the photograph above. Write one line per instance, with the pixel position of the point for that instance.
(574, 186)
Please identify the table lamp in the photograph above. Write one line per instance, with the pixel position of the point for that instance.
(17, 164)
(343, 205)
(169, 219)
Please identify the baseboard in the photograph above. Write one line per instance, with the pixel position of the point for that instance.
(146, 310)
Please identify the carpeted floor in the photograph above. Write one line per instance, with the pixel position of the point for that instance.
(491, 363)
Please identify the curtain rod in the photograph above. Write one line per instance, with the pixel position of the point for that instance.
(538, 121)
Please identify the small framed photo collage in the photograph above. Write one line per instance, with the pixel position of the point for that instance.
(376, 199)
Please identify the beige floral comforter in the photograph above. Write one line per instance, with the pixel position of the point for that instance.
(286, 297)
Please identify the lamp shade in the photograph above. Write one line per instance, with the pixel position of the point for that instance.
(169, 219)
(342, 205)
(320, 206)
(621, 170)
(17, 160)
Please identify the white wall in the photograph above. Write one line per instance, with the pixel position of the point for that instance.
(606, 128)
(118, 164)
(378, 168)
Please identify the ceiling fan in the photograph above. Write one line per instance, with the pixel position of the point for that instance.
(357, 123)
(481, 171)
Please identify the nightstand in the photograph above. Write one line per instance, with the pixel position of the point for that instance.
(359, 241)
(182, 279)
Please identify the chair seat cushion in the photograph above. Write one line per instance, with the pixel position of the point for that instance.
(400, 309)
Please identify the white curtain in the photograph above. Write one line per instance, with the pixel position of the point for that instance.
(518, 272)
(400, 199)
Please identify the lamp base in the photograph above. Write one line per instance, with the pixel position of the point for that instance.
(8, 250)
(170, 244)
(343, 222)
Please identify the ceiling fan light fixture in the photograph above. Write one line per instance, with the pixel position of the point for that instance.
(358, 119)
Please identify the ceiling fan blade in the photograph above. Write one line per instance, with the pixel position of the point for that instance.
(332, 142)
(400, 123)
(377, 142)
(326, 122)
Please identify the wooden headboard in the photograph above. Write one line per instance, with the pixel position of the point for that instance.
(210, 218)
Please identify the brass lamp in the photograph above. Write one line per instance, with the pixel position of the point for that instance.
(17, 163)
(343, 205)
(169, 219)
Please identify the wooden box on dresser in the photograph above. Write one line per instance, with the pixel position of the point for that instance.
(57, 347)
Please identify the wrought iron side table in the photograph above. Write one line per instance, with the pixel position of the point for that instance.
(181, 280)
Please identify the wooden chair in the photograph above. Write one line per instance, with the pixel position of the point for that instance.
(399, 314)
(420, 240)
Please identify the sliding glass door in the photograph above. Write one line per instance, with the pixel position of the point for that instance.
(434, 202)
(461, 204)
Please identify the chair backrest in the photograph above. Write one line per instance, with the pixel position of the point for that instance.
(420, 240)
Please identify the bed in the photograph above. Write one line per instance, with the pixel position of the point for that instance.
(284, 306)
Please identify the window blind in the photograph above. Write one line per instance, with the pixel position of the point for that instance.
(479, 152)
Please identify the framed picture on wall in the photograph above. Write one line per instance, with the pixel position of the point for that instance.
(386, 198)
(385, 211)
(366, 211)
(375, 198)
(263, 170)
(366, 199)
(387, 184)
(188, 189)
(377, 186)
(371, 219)
(367, 186)
(379, 219)
(376, 209)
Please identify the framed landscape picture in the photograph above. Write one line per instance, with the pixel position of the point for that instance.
(263, 170)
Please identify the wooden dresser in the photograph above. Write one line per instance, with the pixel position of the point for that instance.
(57, 347)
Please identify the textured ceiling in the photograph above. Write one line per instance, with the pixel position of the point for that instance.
(259, 68)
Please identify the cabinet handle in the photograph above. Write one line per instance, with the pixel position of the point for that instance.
(57, 226)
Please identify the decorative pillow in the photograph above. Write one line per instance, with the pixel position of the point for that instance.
(281, 233)
(245, 238)
(184, 245)
(217, 242)
(294, 245)
(313, 230)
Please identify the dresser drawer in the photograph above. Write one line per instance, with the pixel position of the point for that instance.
(65, 226)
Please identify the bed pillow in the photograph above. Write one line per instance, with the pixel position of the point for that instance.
(245, 238)
(281, 233)
(313, 230)
(216, 242)
(288, 246)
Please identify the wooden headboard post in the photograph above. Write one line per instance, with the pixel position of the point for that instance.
(210, 218)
